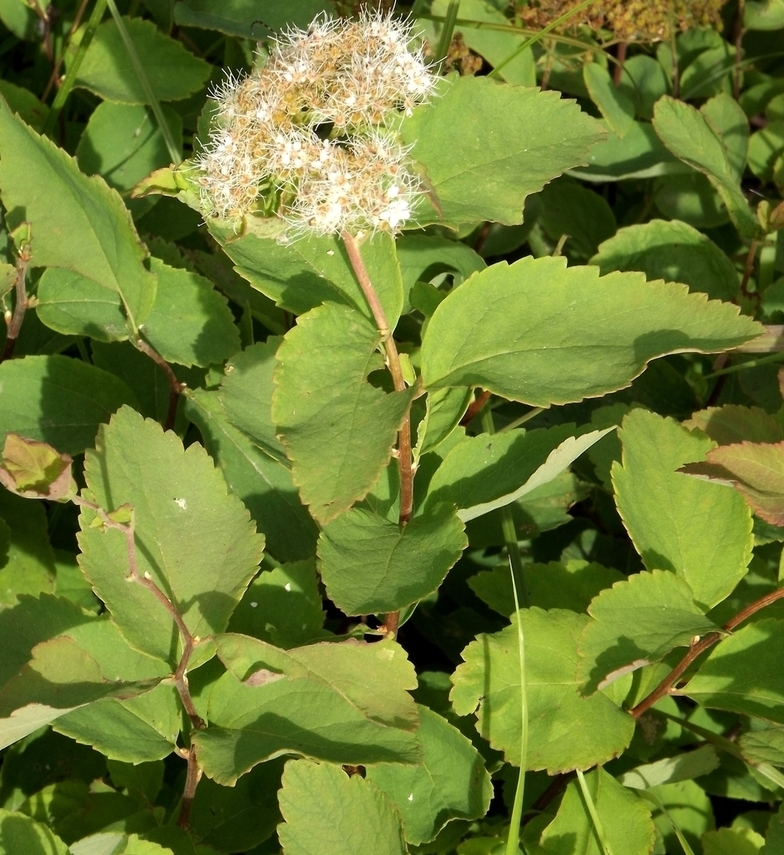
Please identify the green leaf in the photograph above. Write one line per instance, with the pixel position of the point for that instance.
(117, 843)
(728, 841)
(340, 431)
(566, 731)
(21, 834)
(422, 257)
(681, 767)
(763, 15)
(263, 483)
(701, 531)
(370, 564)
(743, 673)
(635, 623)
(35, 470)
(306, 273)
(27, 566)
(308, 701)
(190, 323)
(445, 408)
(328, 812)
(107, 70)
(58, 400)
(77, 222)
(673, 251)
(246, 394)
(763, 745)
(450, 783)
(613, 104)
(195, 540)
(691, 135)
(581, 215)
(536, 137)
(775, 836)
(542, 333)
(624, 817)
(136, 730)
(550, 586)
(282, 606)
(236, 17)
(483, 473)
(72, 304)
(755, 469)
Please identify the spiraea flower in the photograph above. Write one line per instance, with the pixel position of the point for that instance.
(314, 132)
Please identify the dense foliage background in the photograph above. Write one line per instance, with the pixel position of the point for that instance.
(273, 579)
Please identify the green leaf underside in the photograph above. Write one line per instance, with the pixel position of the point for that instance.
(370, 564)
(194, 539)
(743, 673)
(541, 333)
(314, 270)
(637, 622)
(450, 783)
(733, 423)
(625, 820)
(699, 530)
(58, 400)
(756, 470)
(566, 731)
(339, 431)
(263, 483)
(673, 251)
(108, 72)
(690, 135)
(190, 323)
(308, 701)
(77, 222)
(536, 137)
(328, 812)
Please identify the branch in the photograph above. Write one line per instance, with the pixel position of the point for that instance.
(14, 325)
(175, 387)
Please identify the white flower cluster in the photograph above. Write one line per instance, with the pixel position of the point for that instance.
(316, 125)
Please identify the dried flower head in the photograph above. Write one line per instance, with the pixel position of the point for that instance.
(316, 128)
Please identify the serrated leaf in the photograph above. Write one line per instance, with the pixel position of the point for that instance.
(755, 469)
(669, 770)
(635, 623)
(775, 837)
(743, 673)
(195, 540)
(308, 701)
(313, 270)
(58, 400)
(484, 473)
(673, 251)
(339, 431)
(262, 482)
(450, 783)
(763, 745)
(190, 323)
(690, 135)
(625, 820)
(107, 69)
(370, 564)
(729, 841)
(566, 731)
(327, 811)
(700, 531)
(77, 222)
(541, 333)
(536, 137)
(21, 834)
(421, 257)
(35, 470)
(235, 18)
(613, 104)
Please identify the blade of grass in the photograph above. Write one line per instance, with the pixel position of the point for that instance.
(141, 74)
(678, 833)
(447, 32)
(591, 807)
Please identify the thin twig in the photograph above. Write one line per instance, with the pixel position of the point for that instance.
(15, 324)
(621, 57)
(739, 33)
(665, 687)
(176, 388)
(747, 269)
(54, 77)
(475, 407)
(192, 778)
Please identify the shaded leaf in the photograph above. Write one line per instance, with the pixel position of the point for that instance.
(370, 564)
(108, 72)
(489, 680)
(339, 432)
(542, 333)
(669, 770)
(450, 783)
(195, 540)
(235, 18)
(328, 812)
(732, 424)
(445, 408)
(613, 104)
(21, 834)
(729, 841)
(536, 137)
(700, 531)
(763, 745)
(308, 701)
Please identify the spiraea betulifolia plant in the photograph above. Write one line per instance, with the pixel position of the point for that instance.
(391, 429)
